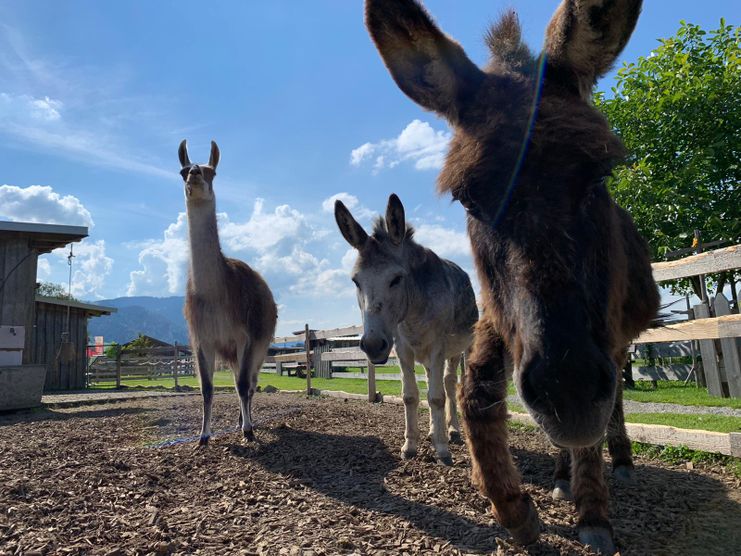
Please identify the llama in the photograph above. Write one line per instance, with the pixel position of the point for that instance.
(566, 278)
(229, 307)
(425, 305)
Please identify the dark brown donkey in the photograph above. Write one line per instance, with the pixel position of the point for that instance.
(566, 279)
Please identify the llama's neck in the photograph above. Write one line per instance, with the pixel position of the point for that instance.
(206, 259)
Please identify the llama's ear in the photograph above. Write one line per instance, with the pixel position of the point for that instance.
(213, 160)
(587, 36)
(183, 154)
(395, 220)
(349, 227)
(432, 69)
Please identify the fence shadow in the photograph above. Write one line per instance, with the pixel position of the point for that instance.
(45, 414)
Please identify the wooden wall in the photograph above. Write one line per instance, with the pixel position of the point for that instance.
(18, 293)
(46, 340)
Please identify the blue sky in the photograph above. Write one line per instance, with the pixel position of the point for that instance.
(96, 96)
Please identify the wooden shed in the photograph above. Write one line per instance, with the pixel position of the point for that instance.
(46, 340)
(21, 243)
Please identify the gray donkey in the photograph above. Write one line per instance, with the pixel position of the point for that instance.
(425, 305)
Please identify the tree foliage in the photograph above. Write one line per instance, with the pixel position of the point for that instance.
(678, 111)
(56, 291)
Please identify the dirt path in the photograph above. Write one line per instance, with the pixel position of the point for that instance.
(324, 478)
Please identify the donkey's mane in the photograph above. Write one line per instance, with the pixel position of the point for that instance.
(381, 234)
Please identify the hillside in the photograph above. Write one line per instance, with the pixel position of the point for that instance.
(159, 317)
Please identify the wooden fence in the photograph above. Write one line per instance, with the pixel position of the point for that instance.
(140, 364)
(713, 325)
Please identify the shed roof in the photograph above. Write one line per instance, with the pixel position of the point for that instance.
(44, 237)
(90, 308)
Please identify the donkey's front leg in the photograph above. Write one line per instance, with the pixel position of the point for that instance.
(451, 409)
(591, 496)
(482, 398)
(410, 394)
(205, 363)
(436, 401)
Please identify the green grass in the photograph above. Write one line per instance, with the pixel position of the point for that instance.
(667, 391)
(717, 423)
(678, 455)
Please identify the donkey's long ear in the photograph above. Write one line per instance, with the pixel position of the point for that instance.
(213, 159)
(183, 154)
(395, 221)
(432, 69)
(587, 36)
(349, 227)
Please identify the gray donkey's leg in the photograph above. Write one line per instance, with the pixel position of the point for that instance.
(451, 409)
(410, 394)
(436, 400)
(205, 363)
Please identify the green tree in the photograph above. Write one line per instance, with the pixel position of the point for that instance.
(678, 111)
(139, 345)
(112, 350)
(57, 291)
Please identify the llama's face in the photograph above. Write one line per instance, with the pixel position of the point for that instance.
(527, 161)
(198, 178)
(379, 275)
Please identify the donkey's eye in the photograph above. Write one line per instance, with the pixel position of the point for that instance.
(395, 282)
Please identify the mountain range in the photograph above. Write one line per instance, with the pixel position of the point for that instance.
(159, 317)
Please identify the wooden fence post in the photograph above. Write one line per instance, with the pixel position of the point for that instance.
(371, 382)
(709, 361)
(731, 348)
(307, 345)
(118, 368)
(175, 365)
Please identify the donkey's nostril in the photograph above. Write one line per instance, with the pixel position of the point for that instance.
(384, 345)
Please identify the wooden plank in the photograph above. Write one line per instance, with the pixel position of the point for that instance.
(731, 349)
(709, 357)
(717, 442)
(292, 357)
(286, 339)
(703, 328)
(334, 332)
(728, 258)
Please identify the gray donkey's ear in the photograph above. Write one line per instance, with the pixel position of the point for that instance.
(586, 37)
(213, 159)
(395, 220)
(349, 227)
(183, 154)
(431, 68)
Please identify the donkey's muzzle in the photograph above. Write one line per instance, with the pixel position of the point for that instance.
(573, 402)
(376, 348)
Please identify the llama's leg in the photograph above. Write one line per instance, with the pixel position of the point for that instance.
(205, 362)
(482, 399)
(562, 477)
(618, 442)
(436, 401)
(249, 364)
(591, 497)
(410, 394)
(451, 409)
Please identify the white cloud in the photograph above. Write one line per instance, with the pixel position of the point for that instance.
(263, 230)
(91, 266)
(43, 109)
(40, 203)
(418, 143)
(351, 202)
(443, 241)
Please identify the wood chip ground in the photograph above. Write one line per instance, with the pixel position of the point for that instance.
(324, 477)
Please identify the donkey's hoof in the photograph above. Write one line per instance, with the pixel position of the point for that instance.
(455, 437)
(624, 474)
(408, 453)
(445, 459)
(598, 539)
(529, 531)
(562, 491)
(249, 436)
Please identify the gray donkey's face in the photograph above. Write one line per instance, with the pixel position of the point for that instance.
(198, 178)
(379, 275)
